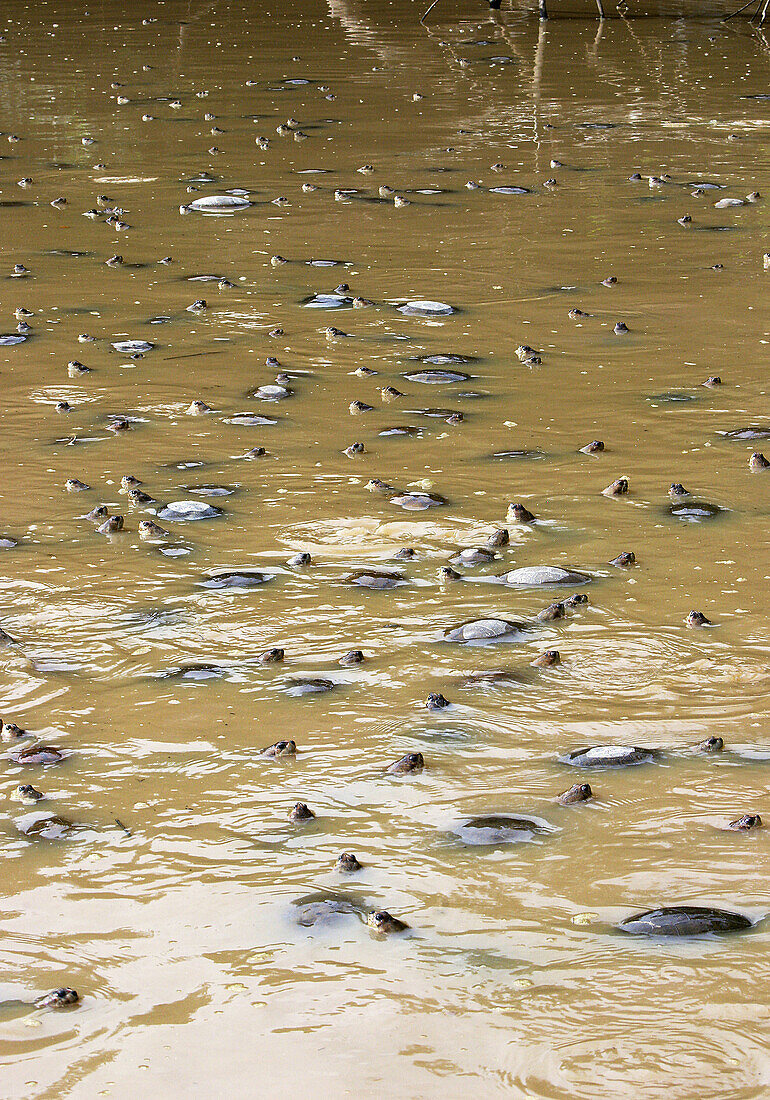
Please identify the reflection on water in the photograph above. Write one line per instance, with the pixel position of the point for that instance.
(480, 203)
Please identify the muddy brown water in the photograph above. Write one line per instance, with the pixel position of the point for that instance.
(177, 926)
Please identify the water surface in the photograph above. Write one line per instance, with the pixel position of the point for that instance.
(171, 911)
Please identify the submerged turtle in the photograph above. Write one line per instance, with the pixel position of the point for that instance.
(436, 701)
(98, 514)
(219, 203)
(301, 558)
(517, 513)
(352, 657)
(481, 631)
(618, 488)
(534, 576)
(500, 829)
(446, 574)
(300, 811)
(308, 685)
(382, 921)
(111, 525)
(496, 676)
(324, 909)
(578, 792)
(437, 377)
(499, 537)
(151, 532)
(684, 920)
(519, 454)
(133, 347)
(418, 502)
(210, 490)
(547, 660)
(194, 670)
(473, 555)
(552, 612)
(347, 862)
(187, 511)
(695, 511)
(752, 432)
(27, 794)
(374, 578)
(745, 822)
(411, 762)
(37, 754)
(711, 744)
(676, 491)
(11, 732)
(280, 748)
(46, 825)
(271, 656)
(251, 578)
(609, 756)
(58, 998)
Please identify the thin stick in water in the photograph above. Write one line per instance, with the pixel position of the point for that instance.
(430, 9)
(738, 12)
(214, 351)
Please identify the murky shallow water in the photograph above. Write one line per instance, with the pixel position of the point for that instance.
(176, 921)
